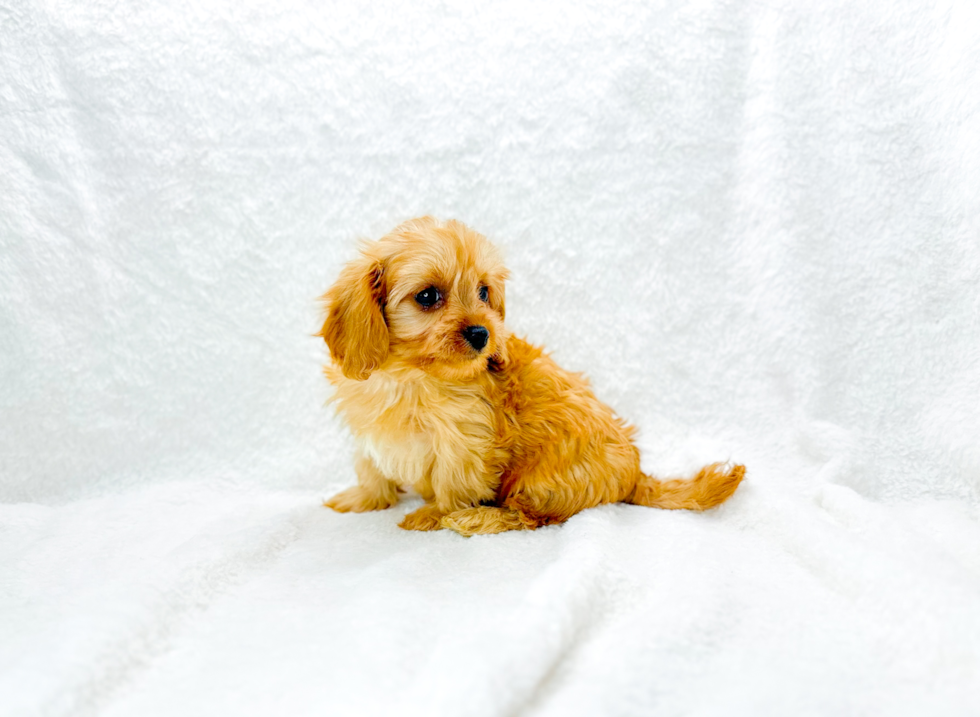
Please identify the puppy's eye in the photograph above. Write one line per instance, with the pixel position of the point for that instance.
(484, 294)
(427, 298)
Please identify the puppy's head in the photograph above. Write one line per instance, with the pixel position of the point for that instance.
(428, 295)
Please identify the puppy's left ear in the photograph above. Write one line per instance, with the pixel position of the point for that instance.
(355, 327)
(498, 282)
(497, 302)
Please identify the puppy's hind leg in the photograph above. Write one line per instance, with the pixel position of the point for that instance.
(486, 519)
(372, 492)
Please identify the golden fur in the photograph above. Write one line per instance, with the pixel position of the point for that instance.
(494, 438)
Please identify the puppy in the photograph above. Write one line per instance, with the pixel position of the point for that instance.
(491, 432)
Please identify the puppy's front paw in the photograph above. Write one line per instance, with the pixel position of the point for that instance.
(425, 518)
(359, 500)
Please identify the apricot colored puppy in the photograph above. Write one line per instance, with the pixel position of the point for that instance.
(490, 431)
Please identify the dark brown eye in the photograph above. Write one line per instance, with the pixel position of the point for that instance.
(428, 297)
(484, 294)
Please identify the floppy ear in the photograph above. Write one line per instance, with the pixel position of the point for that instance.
(499, 359)
(355, 329)
(497, 302)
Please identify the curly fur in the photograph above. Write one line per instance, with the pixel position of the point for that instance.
(493, 438)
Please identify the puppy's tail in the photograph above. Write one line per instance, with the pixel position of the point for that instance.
(711, 486)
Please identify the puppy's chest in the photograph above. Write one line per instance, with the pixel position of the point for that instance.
(404, 428)
(405, 459)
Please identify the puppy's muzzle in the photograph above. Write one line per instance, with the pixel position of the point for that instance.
(476, 336)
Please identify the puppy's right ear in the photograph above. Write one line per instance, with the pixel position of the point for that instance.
(355, 329)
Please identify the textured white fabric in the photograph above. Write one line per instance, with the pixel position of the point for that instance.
(756, 226)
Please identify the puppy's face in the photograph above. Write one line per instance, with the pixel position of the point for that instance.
(428, 295)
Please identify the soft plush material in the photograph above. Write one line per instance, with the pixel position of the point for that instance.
(753, 225)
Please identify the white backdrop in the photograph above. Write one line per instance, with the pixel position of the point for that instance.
(756, 226)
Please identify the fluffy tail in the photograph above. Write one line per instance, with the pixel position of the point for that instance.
(711, 486)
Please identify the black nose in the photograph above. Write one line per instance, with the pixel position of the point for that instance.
(476, 336)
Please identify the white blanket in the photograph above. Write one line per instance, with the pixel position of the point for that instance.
(754, 225)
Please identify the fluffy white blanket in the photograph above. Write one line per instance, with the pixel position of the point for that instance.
(754, 225)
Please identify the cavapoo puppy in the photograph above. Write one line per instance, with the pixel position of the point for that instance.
(491, 432)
